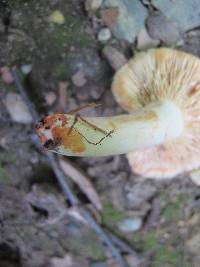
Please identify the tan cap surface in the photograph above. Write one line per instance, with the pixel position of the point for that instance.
(157, 75)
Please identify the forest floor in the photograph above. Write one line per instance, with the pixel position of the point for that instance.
(60, 62)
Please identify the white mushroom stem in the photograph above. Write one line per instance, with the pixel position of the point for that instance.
(149, 126)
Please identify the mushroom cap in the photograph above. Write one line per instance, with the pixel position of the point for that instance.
(157, 75)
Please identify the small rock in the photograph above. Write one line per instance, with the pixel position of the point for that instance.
(196, 261)
(139, 193)
(104, 35)
(62, 262)
(144, 40)
(182, 12)
(89, 60)
(50, 98)
(195, 177)
(79, 79)
(93, 5)
(114, 57)
(160, 28)
(6, 75)
(193, 244)
(135, 260)
(194, 220)
(110, 16)
(17, 109)
(26, 69)
(131, 18)
(57, 17)
(130, 225)
(191, 42)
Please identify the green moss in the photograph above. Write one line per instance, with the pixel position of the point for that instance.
(5, 158)
(3, 173)
(151, 241)
(16, 3)
(111, 215)
(164, 253)
(85, 244)
(70, 33)
(173, 210)
(170, 257)
(60, 71)
(167, 256)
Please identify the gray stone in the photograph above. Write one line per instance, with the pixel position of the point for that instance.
(193, 245)
(185, 13)
(131, 18)
(134, 260)
(195, 177)
(26, 68)
(129, 225)
(144, 40)
(139, 193)
(115, 58)
(160, 28)
(17, 108)
(79, 79)
(104, 35)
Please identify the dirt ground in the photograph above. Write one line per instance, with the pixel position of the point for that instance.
(35, 227)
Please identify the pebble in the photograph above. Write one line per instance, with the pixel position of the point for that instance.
(135, 261)
(193, 244)
(195, 177)
(79, 79)
(194, 220)
(93, 5)
(6, 75)
(131, 18)
(139, 193)
(50, 98)
(196, 261)
(160, 28)
(185, 14)
(57, 17)
(62, 262)
(115, 58)
(130, 225)
(144, 40)
(26, 68)
(110, 16)
(89, 60)
(17, 108)
(104, 35)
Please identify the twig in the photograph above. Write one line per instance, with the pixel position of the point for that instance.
(121, 244)
(23, 93)
(63, 184)
(51, 158)
(104, 237)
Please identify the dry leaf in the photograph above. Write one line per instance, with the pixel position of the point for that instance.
(82, 181)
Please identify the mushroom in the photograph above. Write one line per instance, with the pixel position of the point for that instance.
(160, 89)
